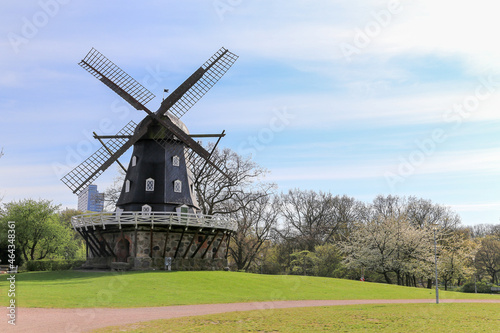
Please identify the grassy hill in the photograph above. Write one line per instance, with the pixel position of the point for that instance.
(72, 289)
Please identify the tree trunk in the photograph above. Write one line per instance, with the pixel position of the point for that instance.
(387, 278)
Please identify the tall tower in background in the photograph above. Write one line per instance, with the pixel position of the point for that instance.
(91, 200)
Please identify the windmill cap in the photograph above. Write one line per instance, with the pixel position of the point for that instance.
(156, 128)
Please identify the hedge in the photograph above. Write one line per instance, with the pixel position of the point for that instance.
(482, 287)
(53, 264)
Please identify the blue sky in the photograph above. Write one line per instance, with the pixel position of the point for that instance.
(353, 97)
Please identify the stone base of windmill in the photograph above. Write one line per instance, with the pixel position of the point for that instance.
(144, 248)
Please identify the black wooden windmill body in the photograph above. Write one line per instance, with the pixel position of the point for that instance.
(159, 181)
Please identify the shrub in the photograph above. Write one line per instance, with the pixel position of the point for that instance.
(482, 287)
(53, 264)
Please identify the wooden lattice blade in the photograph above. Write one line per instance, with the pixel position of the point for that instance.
(198, 84)
(87, 171)
(116, 79)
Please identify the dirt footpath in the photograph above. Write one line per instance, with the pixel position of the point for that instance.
(40, 320)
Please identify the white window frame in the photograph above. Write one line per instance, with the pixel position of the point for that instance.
(150, 185)
(177, 186)
(176, 161)
(134, 161)
(146, 210)
(127, 186)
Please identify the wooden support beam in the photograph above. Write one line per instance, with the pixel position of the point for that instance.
(151, 243)
(102, 250)
(228, 241)
(190, 243)
(109, 151)
(199, 246)
(111, 136)
(93, 246)
(83, 233)
(218, 246)
(211, 242)
(93, 243)
(109, 247)
(179, 244)
(208, 135)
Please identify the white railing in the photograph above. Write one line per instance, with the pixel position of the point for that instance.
(152, 219)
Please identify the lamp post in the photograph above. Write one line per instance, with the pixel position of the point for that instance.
(436, 262)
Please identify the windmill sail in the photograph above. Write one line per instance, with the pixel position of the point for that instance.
(198, 84)
(116, 79)
(87, 171)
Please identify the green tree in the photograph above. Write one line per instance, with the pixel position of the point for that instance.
(455, 260)
(327, 261)
(39, 231)
(488, 257)
(75, 248)
(302, 263)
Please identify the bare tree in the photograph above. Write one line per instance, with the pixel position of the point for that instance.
(307, 216)
(483, 230)
(214, 189)
(315, 218)
(419, 212)
(422, 212)
(390, 206)
(346, 212)
(257, 217)
(112, 193)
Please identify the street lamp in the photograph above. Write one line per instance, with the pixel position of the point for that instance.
(434, 227)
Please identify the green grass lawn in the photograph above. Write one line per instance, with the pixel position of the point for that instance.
(72, 289)
(353, 318)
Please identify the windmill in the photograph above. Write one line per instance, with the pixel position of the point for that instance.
(158, 186)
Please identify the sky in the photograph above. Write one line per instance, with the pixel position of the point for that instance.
(361, 98)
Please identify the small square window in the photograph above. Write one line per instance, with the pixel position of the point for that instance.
(178, 186)
(150, 185)
(146, 210)
(176, 160)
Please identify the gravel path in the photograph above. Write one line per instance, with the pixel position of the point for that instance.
(40, 320)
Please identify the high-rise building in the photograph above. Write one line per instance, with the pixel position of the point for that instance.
(91, 200)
